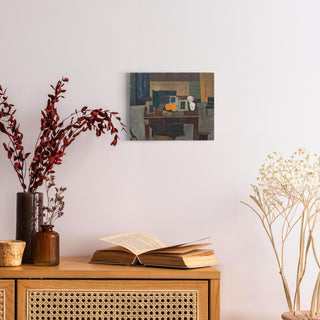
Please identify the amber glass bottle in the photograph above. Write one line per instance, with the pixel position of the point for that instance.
(46, 251)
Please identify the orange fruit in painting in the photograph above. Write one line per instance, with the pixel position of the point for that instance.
(171, 107)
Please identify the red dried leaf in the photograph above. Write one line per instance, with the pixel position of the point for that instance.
(6, 147)
(17, 165)
(2, 127)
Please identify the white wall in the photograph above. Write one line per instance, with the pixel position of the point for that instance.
(266, 58)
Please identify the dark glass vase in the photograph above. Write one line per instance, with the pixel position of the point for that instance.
(29, 219)
(46, 251)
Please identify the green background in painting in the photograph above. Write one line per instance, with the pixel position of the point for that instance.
(195, 90)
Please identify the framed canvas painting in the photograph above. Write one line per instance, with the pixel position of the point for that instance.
(172, 106)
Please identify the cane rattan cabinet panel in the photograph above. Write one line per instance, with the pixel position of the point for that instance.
(6, 299)
(113, 299)
(77, 290)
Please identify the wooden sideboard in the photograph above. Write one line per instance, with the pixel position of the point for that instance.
(77, 290)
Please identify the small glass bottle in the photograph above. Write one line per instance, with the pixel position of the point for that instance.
(46, 251)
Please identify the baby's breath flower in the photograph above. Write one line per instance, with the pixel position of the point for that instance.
(287, 193)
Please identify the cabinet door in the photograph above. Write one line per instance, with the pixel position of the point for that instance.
(112, 299)
(6, 299)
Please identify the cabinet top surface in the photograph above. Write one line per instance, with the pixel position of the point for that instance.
(80, 268)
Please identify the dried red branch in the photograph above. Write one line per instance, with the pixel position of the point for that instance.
(9, 126)
(55, 135)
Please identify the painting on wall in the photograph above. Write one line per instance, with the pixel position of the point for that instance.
(172, 106)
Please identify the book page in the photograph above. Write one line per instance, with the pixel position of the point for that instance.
(184, 245)
(180, 249)
(136, 242)
(115, 248)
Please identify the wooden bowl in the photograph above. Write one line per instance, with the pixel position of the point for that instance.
(11, 252)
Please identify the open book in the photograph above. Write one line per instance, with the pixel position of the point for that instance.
(139, 248)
